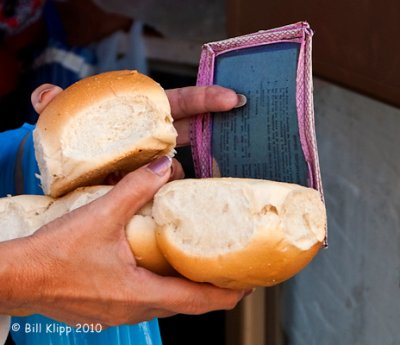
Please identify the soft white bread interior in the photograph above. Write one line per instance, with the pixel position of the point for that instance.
(238, 233)
(22, 215)
(114, 121)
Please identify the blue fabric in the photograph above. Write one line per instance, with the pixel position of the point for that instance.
(9, 142)
(145, 333)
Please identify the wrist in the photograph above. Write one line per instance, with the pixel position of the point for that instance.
(20, 277)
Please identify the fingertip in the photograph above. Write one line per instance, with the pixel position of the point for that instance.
(177, 172)
(248, 292)
(241, 100)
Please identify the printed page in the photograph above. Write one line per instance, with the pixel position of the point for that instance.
(261, 139)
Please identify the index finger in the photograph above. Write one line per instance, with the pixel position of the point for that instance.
(192, 100)
(180, 295)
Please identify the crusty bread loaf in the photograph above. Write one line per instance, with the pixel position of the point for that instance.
(113, 121)
(22, 215)
(238, 233)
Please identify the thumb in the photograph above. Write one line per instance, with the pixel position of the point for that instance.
(136, 189)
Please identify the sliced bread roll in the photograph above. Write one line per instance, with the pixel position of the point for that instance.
(238, 233)
(115, 121)
(22, 215)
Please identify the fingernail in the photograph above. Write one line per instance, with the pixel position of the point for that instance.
(249, 292)
(242, 100)
(160, 166)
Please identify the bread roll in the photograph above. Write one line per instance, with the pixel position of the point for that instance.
(113, 121)
(141, 234)
(22, 215)
(238, 233)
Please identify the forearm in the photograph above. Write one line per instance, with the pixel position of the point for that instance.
(19, 277)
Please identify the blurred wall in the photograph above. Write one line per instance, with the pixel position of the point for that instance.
(350, 294)
(200, 20)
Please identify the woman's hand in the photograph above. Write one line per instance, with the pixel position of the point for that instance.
(79, 268)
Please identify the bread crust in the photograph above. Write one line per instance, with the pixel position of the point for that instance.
(264, 262)
(141, 235)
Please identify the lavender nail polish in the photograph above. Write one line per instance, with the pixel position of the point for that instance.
(160, 166)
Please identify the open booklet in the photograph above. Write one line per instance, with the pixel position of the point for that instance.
(273, 135)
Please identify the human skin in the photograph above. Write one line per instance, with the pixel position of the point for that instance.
(80, 269)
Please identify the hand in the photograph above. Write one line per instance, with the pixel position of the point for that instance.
(185, 103)
(79, 268)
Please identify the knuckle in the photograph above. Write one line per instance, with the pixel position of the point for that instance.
(181, 99)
